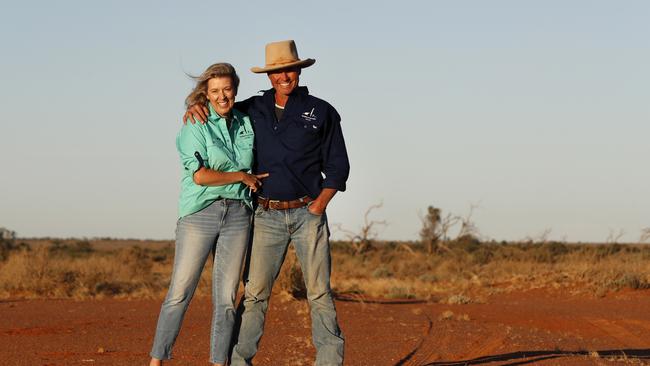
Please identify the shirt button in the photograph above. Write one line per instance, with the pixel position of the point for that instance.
(275, 128)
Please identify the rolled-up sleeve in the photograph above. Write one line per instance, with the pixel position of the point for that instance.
(336, 165)
(189, 142)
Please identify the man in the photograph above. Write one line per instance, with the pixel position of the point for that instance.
(298, 139)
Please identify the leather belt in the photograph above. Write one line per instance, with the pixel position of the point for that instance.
(283, 205)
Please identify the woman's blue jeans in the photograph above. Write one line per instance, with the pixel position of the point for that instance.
(222, 228)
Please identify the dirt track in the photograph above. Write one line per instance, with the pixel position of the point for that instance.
(535, 327)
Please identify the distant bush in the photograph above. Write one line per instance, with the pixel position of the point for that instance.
(549, 252)
(6, 246)
(82, 269)
(81, 248)
(290, 279)
(607, 250)
(62, 270)
(465, 243)
(630, 280)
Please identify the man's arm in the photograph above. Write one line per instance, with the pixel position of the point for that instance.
(319, 205)
(336, 165)
(200, 111)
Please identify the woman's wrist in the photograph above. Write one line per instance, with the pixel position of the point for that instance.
(241, 176)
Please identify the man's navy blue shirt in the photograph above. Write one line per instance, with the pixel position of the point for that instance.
(296, 151)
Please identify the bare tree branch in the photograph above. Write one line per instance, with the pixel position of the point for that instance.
(468, 228)
(361, 240)
(645, 235)
(614, 236)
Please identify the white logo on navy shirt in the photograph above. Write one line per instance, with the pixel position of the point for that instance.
(309, 116)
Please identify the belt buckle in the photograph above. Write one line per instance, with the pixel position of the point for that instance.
(274, 201)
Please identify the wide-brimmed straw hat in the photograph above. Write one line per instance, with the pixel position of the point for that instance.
(282, 55)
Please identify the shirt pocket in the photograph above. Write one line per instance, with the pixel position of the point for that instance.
(302, 135)
(244, 140)
(308, 127)
(218, 156)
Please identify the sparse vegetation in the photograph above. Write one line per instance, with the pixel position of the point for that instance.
(362, 240)
(436, 228)
(432, 229)
(76, 270)
(290, 279)
(466, 272)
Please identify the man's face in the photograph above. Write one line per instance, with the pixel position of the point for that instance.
(284, 81)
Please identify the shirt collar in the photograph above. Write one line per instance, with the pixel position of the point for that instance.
(295, 99)
(215, 117)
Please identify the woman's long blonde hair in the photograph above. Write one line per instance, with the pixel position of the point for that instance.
(218, 70)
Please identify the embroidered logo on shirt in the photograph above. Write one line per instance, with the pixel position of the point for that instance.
(309, 116)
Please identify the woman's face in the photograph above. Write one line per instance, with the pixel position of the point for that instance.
(221, 94)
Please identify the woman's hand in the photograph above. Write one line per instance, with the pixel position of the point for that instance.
(253, 181)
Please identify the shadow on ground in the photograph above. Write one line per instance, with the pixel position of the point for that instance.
(528, 357)
(352, 297)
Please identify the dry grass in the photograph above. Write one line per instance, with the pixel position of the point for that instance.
(466, 274)
(53, 271)
(472, 271)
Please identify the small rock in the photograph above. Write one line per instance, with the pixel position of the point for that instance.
(446, 315)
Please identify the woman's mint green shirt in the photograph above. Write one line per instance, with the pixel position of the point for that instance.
(220, 149)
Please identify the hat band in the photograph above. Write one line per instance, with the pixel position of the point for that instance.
(283, 62)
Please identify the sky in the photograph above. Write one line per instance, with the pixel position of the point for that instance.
(536, 113)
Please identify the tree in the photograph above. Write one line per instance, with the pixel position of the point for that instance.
(362, 241)
(614, 236)
(436, 227)
(7, 239)
(645, 235)
(431, 225)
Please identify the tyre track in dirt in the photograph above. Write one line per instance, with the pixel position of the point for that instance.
(539, 330)
(508, 330)
(620, 333)
(409, 358)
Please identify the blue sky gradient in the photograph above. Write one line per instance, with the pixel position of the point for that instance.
(537, 111)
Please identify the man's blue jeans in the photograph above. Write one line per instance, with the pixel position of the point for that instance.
(222, 227)
(273, 230)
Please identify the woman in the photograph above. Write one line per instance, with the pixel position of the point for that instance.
(214, 210)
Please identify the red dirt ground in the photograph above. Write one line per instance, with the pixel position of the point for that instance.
(539, 327)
